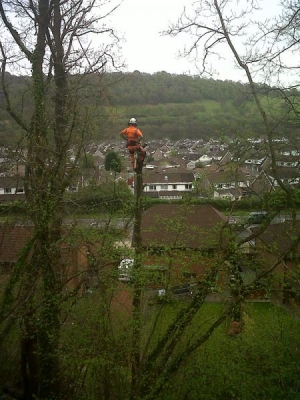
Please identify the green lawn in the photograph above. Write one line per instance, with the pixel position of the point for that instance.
(263, 362)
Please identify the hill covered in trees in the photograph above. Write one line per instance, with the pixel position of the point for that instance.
(166, 105)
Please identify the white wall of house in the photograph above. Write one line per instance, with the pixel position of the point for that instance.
(225, 196)
(288, 164)
(11, 190)
(181, 186)
(230, 185)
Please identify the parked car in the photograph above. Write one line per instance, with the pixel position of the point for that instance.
(257, 217)
(124, 278)
(232, 220)
(182, 290)
(124, 269)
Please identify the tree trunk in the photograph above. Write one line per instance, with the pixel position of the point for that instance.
(29, 362)
(137, 290)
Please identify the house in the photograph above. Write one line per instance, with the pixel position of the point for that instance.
(266, 181)
(191, 157)
(158, 155)
(261, 184)
(185, 237)
(226, 184)
(287, 160)
(171, 162)
(203, 160)
(212, 146)
(11, 188)
(256, 161)
(12, 241)
(222, 157)
(289, 176)
(181, 226)
(12, 163)
(74, 257)
(11, 185)
(99, 158)
(166, 163)
(168, 184)
(191, 164)
(287, 155)
(250, 157)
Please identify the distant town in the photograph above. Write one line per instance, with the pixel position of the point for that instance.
(172, 169)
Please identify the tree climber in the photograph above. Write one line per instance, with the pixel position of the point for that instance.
(133, 137)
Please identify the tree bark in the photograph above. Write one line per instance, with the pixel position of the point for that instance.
(137, 290)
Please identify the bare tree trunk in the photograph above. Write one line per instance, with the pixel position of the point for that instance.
(137, 291)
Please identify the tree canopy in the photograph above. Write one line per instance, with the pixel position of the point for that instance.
(112, 162)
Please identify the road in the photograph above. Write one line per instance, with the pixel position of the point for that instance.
(242, 220)
(98, 223)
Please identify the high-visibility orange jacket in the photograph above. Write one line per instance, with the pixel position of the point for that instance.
(132, 133)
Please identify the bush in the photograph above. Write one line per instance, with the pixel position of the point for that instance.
(106, 198)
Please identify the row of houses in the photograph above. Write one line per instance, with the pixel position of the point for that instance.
(222, 172)
(187, 240)
(175, 183)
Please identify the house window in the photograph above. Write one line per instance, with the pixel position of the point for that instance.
(19, 190)
(152, 187)
(164, 187)
(174, 187)
(7, 190)
(170, 197)
(188, 186)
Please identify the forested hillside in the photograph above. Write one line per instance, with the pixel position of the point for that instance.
(166, 105)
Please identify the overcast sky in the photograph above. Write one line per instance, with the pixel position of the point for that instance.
(145, 50)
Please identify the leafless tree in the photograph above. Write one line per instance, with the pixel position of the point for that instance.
(215, 23)
(51, 44)
(226, 29)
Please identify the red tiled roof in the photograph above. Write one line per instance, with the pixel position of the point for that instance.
(174, 225)
(280, 237)
(168, 176)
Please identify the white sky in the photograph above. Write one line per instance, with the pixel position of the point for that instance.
(145, 50)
